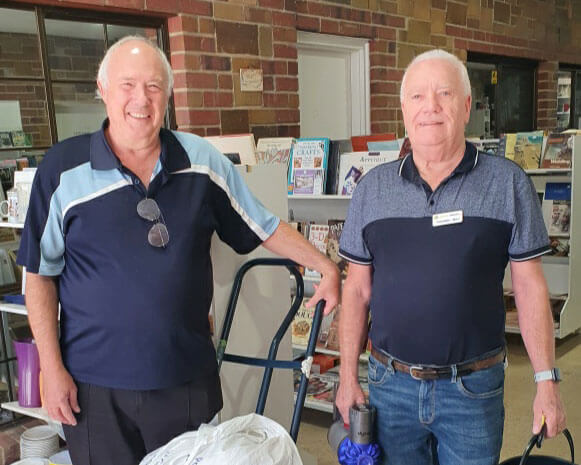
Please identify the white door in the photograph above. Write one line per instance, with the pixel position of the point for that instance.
(333, 85)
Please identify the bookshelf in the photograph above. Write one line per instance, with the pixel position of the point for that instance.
(562, 273)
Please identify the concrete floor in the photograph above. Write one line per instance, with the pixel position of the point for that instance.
(519, 392)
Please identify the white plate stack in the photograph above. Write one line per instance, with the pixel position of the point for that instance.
(39, 441)
(32, 461)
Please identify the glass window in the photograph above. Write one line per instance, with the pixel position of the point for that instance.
(563, 99)
(19, 49)
(78, 109)
(23, 115)
(114, 33)
(75, 49)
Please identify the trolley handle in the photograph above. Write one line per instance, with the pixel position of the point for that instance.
(537, 440)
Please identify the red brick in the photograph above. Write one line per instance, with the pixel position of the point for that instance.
(202, 80)
(167, 6)
(218, 99)
(290, 5)
(287, 84)
(267, 67)
(384, 88)
(284, 51)
(287, 116)
(308, 23)
(385, 33)
(268, 83)
(206, 26)
(285, 35)
(202, 117)
(349, 29)
(280, 67)
(396, 21)
(378, 59)
(383, 115)
(293, 100)
(225, 81)
(182, 23)
(275, 100)
(292, 68)
(213, 131)
(329, 26)
(132, 4)
(378, 46)
(258, 15)
(302, 6)
(196, 7)
(274, 4)
(216, 63)
(185, 61)
(318, 9)
(455, 31)
(366, 31)
(283, 19)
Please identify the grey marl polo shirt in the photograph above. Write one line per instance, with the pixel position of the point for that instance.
(437, 294)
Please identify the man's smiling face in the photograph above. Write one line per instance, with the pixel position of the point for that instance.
(434, 105)
(135, 94)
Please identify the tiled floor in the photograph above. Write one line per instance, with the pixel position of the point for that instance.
(519, 392)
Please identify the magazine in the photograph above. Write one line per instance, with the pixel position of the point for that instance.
(556, 208)
(558, 151)
(355, 165)
(274, 150)
(318, 234)
(524, 148)
(308, 166)
(301, 325)
(335, 229)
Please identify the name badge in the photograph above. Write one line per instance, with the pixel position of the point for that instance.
(444, 219)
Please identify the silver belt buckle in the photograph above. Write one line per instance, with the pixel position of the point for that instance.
(418, 368)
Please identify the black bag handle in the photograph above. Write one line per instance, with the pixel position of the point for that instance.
(537, 440)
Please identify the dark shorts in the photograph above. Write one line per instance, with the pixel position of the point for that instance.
(119, 426)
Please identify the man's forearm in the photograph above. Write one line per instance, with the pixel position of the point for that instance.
(288, 242)
(42, 308)
(535, 317)
(352, 331)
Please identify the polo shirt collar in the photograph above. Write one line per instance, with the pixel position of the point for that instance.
(173, 157)
(409, 171)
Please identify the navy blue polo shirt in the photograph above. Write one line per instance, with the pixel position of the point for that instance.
(437, 295)
(134, 316)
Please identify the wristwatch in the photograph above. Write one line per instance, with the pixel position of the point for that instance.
(548, 375)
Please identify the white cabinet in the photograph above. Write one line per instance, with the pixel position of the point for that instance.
(563, 273)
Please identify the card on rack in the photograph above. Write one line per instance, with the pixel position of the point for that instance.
(556, 208)
(318, 234)
(308, 166)
(301, 325)
(335, 229)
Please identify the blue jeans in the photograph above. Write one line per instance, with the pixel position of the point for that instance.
(461, 418)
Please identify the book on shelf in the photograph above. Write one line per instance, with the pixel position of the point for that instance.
(239, 148)
(5, 140)
(318, 234)
(559, 246)
(558, 151)
(324, 330)
(333, 238)
(355, 165)
(524, 148)
(360, 142)
(332, 342)
(301, 325)
(489, 146)
(274, 150)
(308, 166)
(322, 363)
(336, 149)
(556, 208)
(20, 139)
(383, 145)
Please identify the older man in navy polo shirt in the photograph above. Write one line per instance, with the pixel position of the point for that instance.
(429, 238)
(118, 232)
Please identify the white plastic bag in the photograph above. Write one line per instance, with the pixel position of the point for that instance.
(247, 440)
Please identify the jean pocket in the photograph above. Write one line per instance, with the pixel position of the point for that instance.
(483, 384)
(377, 372)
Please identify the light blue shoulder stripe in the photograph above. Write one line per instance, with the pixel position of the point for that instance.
(76, 186)
(206, 159)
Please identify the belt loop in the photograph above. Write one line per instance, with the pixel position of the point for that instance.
(389, 366)
(454, 373)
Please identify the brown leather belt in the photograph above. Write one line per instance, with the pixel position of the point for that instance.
(428, 372)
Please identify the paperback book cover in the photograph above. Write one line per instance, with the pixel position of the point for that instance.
(318, 234)
(274, 150)
(336, 149)
(556, 208)
(354, 165)
(524, 148)
(308, 166)
(558, 151)
(239, 148)
(335, 229)
(301, 325)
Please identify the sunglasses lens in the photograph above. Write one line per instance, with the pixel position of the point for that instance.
(148, 209)
(158, 235)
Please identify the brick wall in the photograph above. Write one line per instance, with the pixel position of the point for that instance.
(211, 41)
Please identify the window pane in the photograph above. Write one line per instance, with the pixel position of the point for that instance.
(23, 115)
(75, 49)
(19, 50)
(114, 33)
(563, 99)
(78, 110)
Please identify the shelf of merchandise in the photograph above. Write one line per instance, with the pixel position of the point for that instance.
(563, 274)
(33, 412)
(320, 405)
(364, 357)
(13, 308)
(6, 224)
(317, 208)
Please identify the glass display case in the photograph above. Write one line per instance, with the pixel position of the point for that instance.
(563, 99)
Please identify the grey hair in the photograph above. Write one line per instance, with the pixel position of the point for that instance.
(103, 76)
(439, 54)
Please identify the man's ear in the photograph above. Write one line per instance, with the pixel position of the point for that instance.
(467, 107)
(102, 91)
